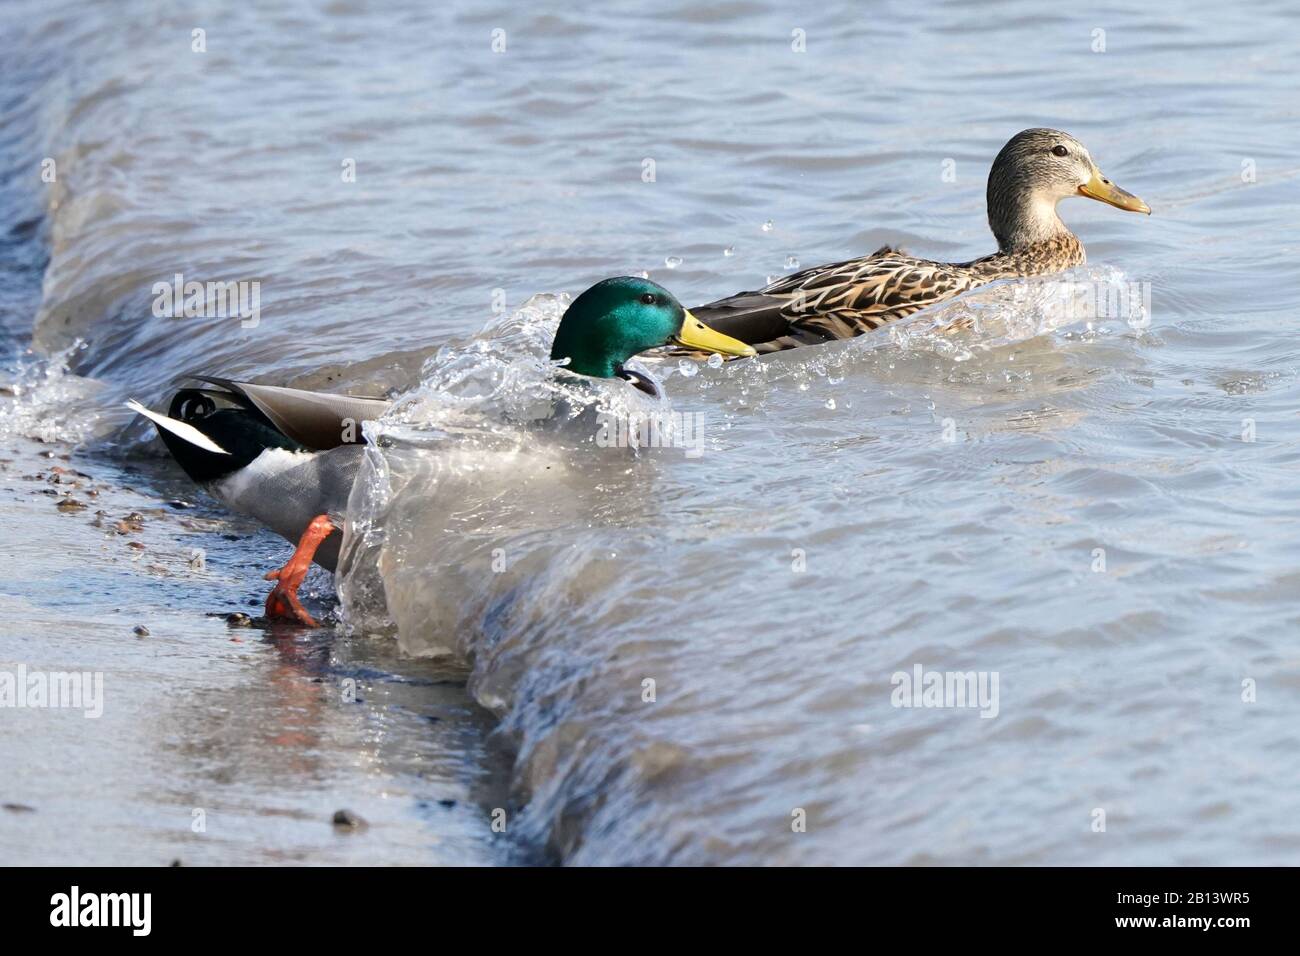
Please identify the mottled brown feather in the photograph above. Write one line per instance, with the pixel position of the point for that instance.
(1031, 173)
(845, 299)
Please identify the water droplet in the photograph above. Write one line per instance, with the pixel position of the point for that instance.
(644, 274)
(715, 360)
(729, 251)
(791, 262)
(672, 262)
(830, 403)
(769, 226)
(686, 368)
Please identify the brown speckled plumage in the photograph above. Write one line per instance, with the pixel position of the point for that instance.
(848, 298)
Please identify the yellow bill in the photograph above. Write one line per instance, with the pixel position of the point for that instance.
(1103, 190)
(694, 334)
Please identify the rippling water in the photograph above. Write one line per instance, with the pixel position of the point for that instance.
(1101, 514)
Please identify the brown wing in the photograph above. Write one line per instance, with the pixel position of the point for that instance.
(837, 301)
(320, 420)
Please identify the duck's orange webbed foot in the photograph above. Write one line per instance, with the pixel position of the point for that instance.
(282, 603)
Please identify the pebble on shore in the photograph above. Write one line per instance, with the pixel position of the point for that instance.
(347, 820)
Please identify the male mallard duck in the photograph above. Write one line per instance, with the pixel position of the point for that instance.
(1033, 172)
(287, 456)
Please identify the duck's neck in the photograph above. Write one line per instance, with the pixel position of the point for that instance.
(1055, 254)
(640, 381)
(1031, 237)
(1020, 220)
(586, 358)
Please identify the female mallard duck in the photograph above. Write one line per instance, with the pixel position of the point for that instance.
(287, 457)
(1033, 172)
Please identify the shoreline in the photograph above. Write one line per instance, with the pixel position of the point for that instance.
(217, 745)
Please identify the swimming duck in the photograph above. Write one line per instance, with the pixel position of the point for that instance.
(287, 457)
(1034, 171)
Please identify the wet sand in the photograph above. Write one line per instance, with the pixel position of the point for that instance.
(217, 744)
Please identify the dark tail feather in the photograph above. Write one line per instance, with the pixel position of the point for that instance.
(202, 458)
(213, 444)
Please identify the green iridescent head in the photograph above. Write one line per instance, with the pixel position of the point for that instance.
(617, 318)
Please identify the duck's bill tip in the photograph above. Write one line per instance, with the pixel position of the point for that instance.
(1103, 190)
(695, 334)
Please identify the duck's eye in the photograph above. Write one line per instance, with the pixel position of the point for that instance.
(1060, 151)
(649, 298)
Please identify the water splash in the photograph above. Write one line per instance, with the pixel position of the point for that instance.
(496, 442)
(1007, 313)
(46, 401)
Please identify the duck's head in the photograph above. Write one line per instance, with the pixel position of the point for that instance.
(617, 318)
(1033, 172)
